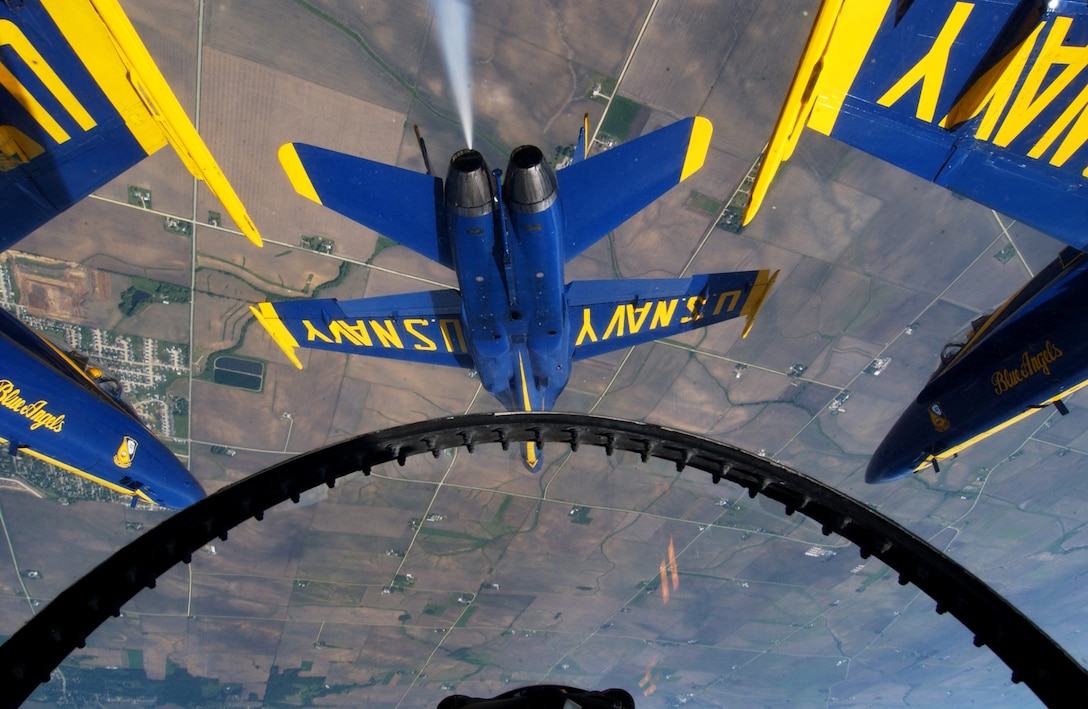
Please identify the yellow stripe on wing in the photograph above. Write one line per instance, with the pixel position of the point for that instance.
(13, 37)
(123, 68)
(840, 38)
(760, 289)
(85, 30)
(270, 320)
(853, 35)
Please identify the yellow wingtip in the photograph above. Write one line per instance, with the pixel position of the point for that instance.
(159, 102)
(296, 172)
(840, 36)
(163, 106)
(764, 281)
(585, 136)
(698, 145)
(268, 318)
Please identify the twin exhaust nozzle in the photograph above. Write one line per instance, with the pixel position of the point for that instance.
(529, 185)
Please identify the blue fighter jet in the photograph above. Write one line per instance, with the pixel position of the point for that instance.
(56, 407)
(1030, 353)
(507, 237)
(987, 98)
(81, 101)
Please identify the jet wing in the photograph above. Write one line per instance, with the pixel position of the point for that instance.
(604, 191)
(611, 315)
(986, 98)
(403, 205)
(418, 327)
(81, 102)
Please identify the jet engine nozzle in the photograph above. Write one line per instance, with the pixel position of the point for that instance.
(470, 189)
(530, 185)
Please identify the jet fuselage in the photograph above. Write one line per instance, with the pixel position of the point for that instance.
(1029, 353)
(52, 410)
(508, 256)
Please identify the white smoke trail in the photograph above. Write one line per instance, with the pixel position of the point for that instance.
(454, 18)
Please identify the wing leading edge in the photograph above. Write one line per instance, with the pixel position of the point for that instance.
(611, 315)
(986, 98)
(82, 102)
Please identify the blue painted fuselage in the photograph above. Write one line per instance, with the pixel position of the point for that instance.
(81, 101)
(507, 247)
(1029, 353)
(984, 98)
(51, 409)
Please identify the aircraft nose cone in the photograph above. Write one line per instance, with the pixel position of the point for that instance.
(904, 448)
(172, 485)
(186, 494)
(887, 465)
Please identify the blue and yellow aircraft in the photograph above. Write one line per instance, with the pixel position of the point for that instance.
(56, 407)
(81, 101)
(987, 98)
(507, 237)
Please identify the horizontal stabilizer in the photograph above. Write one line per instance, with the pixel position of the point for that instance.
(604, 191)
(612, 315)
(82, 103)
(980, 97)
(402, 205)
(417, 327)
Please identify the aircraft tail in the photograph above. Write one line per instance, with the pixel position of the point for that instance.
(604, 191)
(982, 98)
(85, 103)
(611, 315)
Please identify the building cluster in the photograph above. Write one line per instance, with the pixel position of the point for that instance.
(143, 365)
(58, 483)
